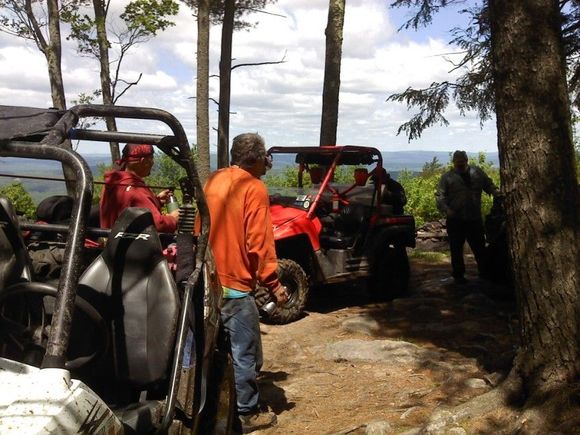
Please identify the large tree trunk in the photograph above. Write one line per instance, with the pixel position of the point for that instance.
(103, 41)
(53, 56)
(225, 83)
(538, 175)
(202, 101)
(333, 59)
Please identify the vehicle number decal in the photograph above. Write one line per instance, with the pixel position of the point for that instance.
(306, 204)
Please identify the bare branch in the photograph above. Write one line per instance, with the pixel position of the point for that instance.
(283, 60)
(129, 85)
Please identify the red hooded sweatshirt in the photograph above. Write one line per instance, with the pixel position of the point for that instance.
(124, 189)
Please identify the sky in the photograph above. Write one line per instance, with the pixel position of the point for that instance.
(282, 102)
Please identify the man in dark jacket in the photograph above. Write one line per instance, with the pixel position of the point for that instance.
(458, 196)
(125, 187)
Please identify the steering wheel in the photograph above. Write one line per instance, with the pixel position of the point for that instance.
(25, 322)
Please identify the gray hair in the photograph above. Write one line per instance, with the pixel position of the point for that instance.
(459, 155)
(247, 149)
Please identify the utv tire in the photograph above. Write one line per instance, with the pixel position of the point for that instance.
(294, 278)
(390, 277)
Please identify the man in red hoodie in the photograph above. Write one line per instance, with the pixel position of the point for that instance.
(125, 187)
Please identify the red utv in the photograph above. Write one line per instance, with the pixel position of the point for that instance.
(328, 232)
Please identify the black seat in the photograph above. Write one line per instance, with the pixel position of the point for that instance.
(132, 287)
(14, 259)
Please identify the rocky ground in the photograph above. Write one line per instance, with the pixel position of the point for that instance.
(354, 367)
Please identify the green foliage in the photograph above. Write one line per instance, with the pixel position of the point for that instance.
(428, 256)
(434, 167)
(20, 199)
(166, 172)
(420, 191)
(147, 17)
(142, 18)
(474, 89)
(288, 177)
(242, 7)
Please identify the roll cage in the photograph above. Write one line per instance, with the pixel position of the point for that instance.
(43, 134)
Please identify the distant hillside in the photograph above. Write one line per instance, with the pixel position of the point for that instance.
(394, 162)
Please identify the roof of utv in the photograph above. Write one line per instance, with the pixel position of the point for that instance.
(324, 155)
(26, 122)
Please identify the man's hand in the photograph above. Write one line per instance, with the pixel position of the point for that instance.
(280, 293)
(163, 196)
(175, 214)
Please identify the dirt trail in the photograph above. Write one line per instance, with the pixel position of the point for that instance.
(349, 363)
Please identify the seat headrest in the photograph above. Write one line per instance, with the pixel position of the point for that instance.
(134, 238)
(55, 209)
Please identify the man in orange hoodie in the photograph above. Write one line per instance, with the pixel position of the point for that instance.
(126, 188)
(242, 242)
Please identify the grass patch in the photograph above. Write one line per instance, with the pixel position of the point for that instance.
(432, 257)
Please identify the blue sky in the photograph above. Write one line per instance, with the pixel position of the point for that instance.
(282, 102)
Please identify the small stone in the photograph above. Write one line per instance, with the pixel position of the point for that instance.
(475, 383)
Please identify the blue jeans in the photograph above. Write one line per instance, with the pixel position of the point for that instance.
(242, 326)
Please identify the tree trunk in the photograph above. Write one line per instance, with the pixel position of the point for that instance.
(538, 175)
(53, 56)
(225, 83)
(333, 59)
(103, 41)
(202, 101)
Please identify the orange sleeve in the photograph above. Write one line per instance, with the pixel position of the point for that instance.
(260, 237)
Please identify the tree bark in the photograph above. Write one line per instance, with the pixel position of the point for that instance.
(202, 101)
(538, 175)
(225, 83)
(53, 56)
(103, 42)
(331, 87)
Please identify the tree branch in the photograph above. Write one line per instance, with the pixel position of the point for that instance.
(260, 63)
(129, 85)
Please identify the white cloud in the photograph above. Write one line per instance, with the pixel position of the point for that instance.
(282, 101)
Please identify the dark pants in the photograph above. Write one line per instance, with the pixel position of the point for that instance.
(459, 231)
(242, 326)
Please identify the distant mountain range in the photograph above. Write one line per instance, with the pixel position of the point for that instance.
(393, 161)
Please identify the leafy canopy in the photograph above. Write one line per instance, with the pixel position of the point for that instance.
(473, 90)
(20, 199)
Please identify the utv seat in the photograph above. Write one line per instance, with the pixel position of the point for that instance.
(132, 287)
(14, 259)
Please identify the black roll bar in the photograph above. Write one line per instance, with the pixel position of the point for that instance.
(55, 356)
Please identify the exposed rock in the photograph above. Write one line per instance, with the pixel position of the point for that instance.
(361, 324)
(378, 428)
(456, 431)
(494, 379)
(476, 383)
(439, 422)
(395, 352)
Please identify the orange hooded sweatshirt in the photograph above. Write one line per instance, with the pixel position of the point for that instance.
(241, 235)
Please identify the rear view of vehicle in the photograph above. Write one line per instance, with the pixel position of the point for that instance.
(337, 225)
(123, 345)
